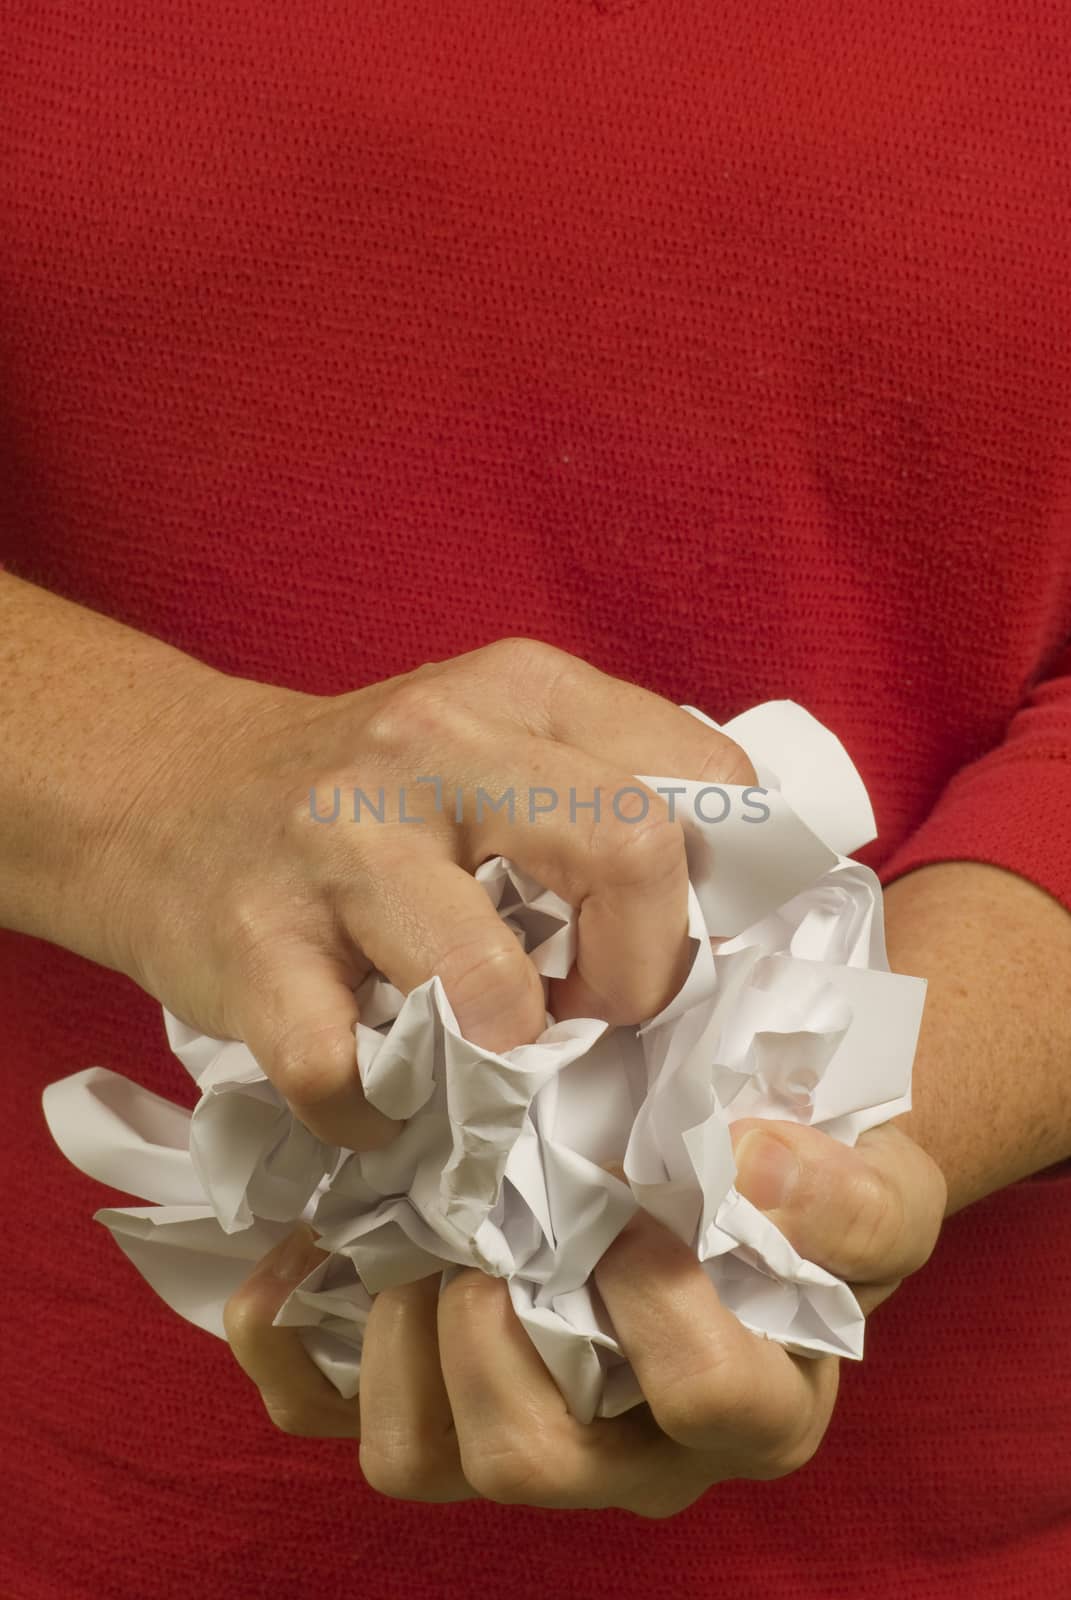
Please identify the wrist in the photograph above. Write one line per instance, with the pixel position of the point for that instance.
(180, 831)
(991, 1101)
(91, 823)
(177, 778)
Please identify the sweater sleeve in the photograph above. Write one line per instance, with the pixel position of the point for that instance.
(1012, 807)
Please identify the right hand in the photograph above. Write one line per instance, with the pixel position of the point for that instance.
(250, 920)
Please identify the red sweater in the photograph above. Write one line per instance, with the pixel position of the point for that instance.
(726, 345)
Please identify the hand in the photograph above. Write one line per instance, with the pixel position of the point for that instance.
(456, 1403)
(251, 920)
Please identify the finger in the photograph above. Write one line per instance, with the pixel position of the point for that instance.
(711, 1384)
(869, 1214)
(872, 1295)
(414, 912)
(295, 1009)
(603, 841)
(519, 1445)
(557, 696)
(417, 914)
(409, 1447)
(297, 1396)
(626, 870)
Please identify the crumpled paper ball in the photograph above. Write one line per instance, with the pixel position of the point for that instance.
(791, 1013)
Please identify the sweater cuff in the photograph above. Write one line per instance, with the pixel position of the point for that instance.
(1014, 814)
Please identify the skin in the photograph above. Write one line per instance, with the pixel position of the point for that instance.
(202, 876)
(437, 1421)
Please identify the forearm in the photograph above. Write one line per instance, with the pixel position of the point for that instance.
(992, 1084)
(95, 717)
(89, 710)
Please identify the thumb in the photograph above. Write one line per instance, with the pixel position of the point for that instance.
(869, 1214)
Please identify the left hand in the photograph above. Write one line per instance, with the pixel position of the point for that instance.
(456, 1403)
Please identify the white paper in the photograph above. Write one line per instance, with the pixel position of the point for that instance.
(790, 1014)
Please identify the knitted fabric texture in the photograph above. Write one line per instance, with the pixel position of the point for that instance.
(728, 347)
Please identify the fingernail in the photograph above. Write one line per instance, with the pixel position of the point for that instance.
(293, 1259)
(766, 1170)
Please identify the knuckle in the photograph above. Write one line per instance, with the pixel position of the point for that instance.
(468, 1296)
(317, 829)
(717, 1404)
(783, 1460)
(294, 1420)
(255, 932)
(727, 762)
(872, 1224)
(491, 962)
(309, 1065)
(526, 655)
(677, 1413)
(643, 853)
(308, 1420)
(691, 1407)
(537, 672)
(932, 1197)
(410, 1470)
(240, 1319)
(322, 800)
(517, 1475)
(415, 715)
(660, 1503)
(935, 1187)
